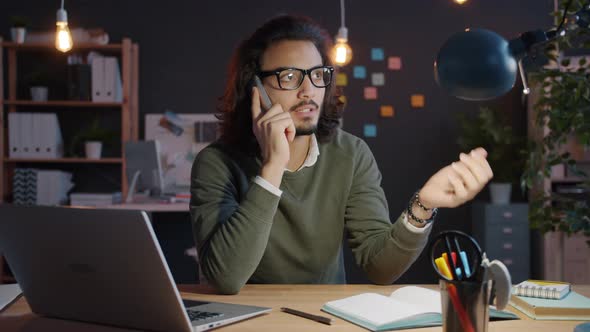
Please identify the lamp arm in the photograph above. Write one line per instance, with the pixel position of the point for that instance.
(520, 46)
(582, 17)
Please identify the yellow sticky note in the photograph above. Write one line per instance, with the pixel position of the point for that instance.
(387, 111)
(342, 99)
(341, 79)
(417, 101)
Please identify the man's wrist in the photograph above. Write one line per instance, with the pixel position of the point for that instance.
(272, 173)
(423, 203)
(418, 214)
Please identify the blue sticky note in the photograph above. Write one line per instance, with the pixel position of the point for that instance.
(370, 130)
(359, 72)
(377, 54)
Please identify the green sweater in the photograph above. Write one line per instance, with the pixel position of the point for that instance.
(244, 233)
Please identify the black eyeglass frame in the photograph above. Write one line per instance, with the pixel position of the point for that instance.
(306, 72)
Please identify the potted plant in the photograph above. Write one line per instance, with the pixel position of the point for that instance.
(505, 149)
(559, 114)
(92, 138)
(18, 29)
(38, 83)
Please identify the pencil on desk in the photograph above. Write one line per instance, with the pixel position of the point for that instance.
(317, 318)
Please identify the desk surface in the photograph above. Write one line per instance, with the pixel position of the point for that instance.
(307, 298)
(151, 207)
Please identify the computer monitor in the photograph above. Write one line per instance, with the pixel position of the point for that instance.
(143, 168)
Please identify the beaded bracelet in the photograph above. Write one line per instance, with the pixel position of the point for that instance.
(415, 198)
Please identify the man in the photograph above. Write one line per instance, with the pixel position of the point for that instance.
(271, 199)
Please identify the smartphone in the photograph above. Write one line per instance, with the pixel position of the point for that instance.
(266, 102)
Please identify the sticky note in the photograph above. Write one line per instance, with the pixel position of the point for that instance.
(359, 72)
(378, 79)
(342, 99)
(370, 93)
(341, 79)
(377, 54)
(370, 130)
(394, 63)
(417, 101)
(387, 111)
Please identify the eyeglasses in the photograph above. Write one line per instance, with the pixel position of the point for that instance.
(292, 78)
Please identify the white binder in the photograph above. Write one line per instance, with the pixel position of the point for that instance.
(36, 135)
(14, 144)
(26, 128)
(51, 137)
(98, 79)
(112, 79)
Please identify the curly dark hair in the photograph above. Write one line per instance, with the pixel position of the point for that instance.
(234, 109)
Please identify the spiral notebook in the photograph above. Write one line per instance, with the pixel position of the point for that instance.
(542, 289)
(573, 306)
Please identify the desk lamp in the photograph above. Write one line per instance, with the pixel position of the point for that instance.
(479, 64)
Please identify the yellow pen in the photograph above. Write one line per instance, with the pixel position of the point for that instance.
(443, 268)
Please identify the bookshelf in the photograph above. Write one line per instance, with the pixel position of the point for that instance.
(61, 103)
(562, 257)
(127, 53)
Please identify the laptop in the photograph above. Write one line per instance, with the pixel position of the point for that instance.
(102, 266)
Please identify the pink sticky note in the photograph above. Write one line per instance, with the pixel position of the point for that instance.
(370, 93)
(394, 63)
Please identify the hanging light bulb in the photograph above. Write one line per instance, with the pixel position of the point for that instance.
(342, 53)
(460, 1)
(63, 37)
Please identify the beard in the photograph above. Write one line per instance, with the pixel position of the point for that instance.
(306, 130)
(308, 127)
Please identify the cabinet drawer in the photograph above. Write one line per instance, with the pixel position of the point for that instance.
(514, 263)
(493, 214)
(498, 235)
(507, 249)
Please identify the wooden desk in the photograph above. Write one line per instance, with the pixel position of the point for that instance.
(151, 207)
(308, 298)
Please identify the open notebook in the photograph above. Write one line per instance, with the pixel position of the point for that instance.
(407, 307)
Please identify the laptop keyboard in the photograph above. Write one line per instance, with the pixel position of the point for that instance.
(196, 315)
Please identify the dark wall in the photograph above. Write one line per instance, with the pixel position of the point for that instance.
(185, 46)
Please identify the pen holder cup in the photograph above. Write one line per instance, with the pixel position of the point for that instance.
(464, 305)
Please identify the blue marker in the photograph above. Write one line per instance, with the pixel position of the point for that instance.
(463, 256)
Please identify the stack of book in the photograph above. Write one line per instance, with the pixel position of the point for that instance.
(550, 300)
(40, 187)
(95, 199)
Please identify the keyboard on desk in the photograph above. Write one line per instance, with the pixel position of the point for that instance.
(196, 315)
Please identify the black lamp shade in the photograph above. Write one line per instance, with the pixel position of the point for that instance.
(476, 65)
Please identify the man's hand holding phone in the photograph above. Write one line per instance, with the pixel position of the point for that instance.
(274, 130)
